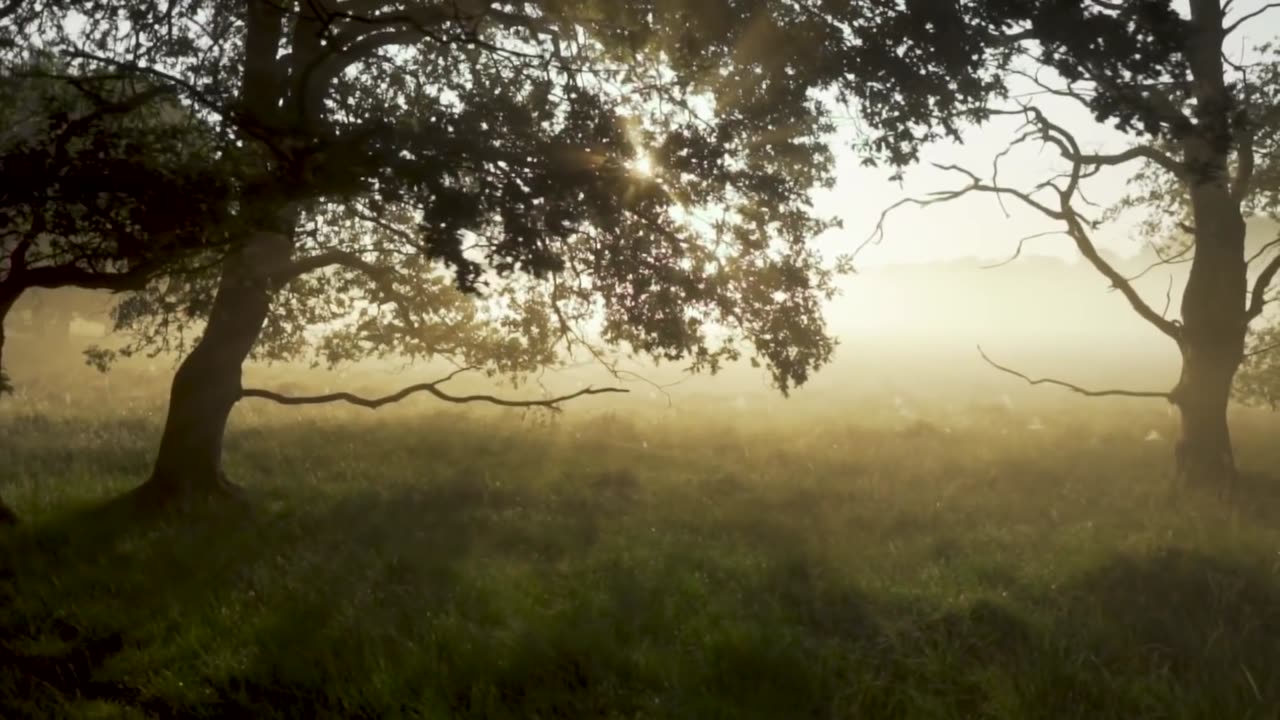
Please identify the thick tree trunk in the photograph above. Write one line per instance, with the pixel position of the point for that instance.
(1203, 454)
(1213, 337)
(207, 386)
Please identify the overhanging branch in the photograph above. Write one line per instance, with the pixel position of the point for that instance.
(1073, 387)
(1258, 298)
(431, 388)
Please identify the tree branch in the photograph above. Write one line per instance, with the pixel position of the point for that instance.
(1258, 298)
(1262, 350)
(1071, 387)
(429, 387)
(1018, 251)
(1246, 18)
(135, 278)
(1177, 258)
(1070, 148)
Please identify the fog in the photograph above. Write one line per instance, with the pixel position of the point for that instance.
(904, 329)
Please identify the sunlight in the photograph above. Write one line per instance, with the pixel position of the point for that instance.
(643, 166)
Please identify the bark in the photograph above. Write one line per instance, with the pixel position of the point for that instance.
(1213, 338)
(1203, 454)
(1214, 311)
(207, 384)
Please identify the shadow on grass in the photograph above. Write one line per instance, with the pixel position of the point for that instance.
(458, 598)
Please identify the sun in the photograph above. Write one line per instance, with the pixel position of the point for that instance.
(642, 165)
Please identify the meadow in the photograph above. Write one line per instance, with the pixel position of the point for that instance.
(835, 560)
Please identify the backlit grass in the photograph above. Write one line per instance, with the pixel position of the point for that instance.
(434, 563)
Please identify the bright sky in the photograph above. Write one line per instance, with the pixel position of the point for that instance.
(975, 226)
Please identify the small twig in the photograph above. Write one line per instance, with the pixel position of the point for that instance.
(1246, 18)
(1176, 259)
(1018, 251)
(429, 387)
(1071, 387)
(1262, 350)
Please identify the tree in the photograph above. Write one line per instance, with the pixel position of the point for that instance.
(380, 143)
(1203, 128)
(102, 190)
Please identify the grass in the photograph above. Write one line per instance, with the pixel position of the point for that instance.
(447, 564)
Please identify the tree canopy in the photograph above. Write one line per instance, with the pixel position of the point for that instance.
(105, 184)
(499, 140)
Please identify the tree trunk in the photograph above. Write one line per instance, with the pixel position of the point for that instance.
(1213, 337)
(207, 386)
(1203, 454)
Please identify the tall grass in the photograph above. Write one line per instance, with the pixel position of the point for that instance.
(856, 563)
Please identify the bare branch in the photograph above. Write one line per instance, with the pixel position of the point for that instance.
(1182, 256)
(1258, 299)
(1018, 251)
(1246, 18)
(1070, 147)
(1055, 134)
(429, 387)
(1086, 247)
(1262, 350)
(1071, 387)
(1262, 251)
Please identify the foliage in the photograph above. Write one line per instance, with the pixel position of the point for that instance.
(106, 184)
(497, 141)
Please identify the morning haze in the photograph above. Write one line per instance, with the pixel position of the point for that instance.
(622, 359)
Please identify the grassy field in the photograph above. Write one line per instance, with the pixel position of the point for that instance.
(433, 563)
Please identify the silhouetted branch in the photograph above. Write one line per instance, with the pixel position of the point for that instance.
(1262, 251)
(1071, 387)
(1174, 259)
(1018, 251)
(429, 387)
(1262, 350)
(1246, 18)
(1056, 134)
(1067, 214)
(1258, 298)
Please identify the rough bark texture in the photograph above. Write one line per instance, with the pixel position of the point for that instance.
(207, 385)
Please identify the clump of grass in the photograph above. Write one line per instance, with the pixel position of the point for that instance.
(458, 565)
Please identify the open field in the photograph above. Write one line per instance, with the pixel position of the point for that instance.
(429, 562)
